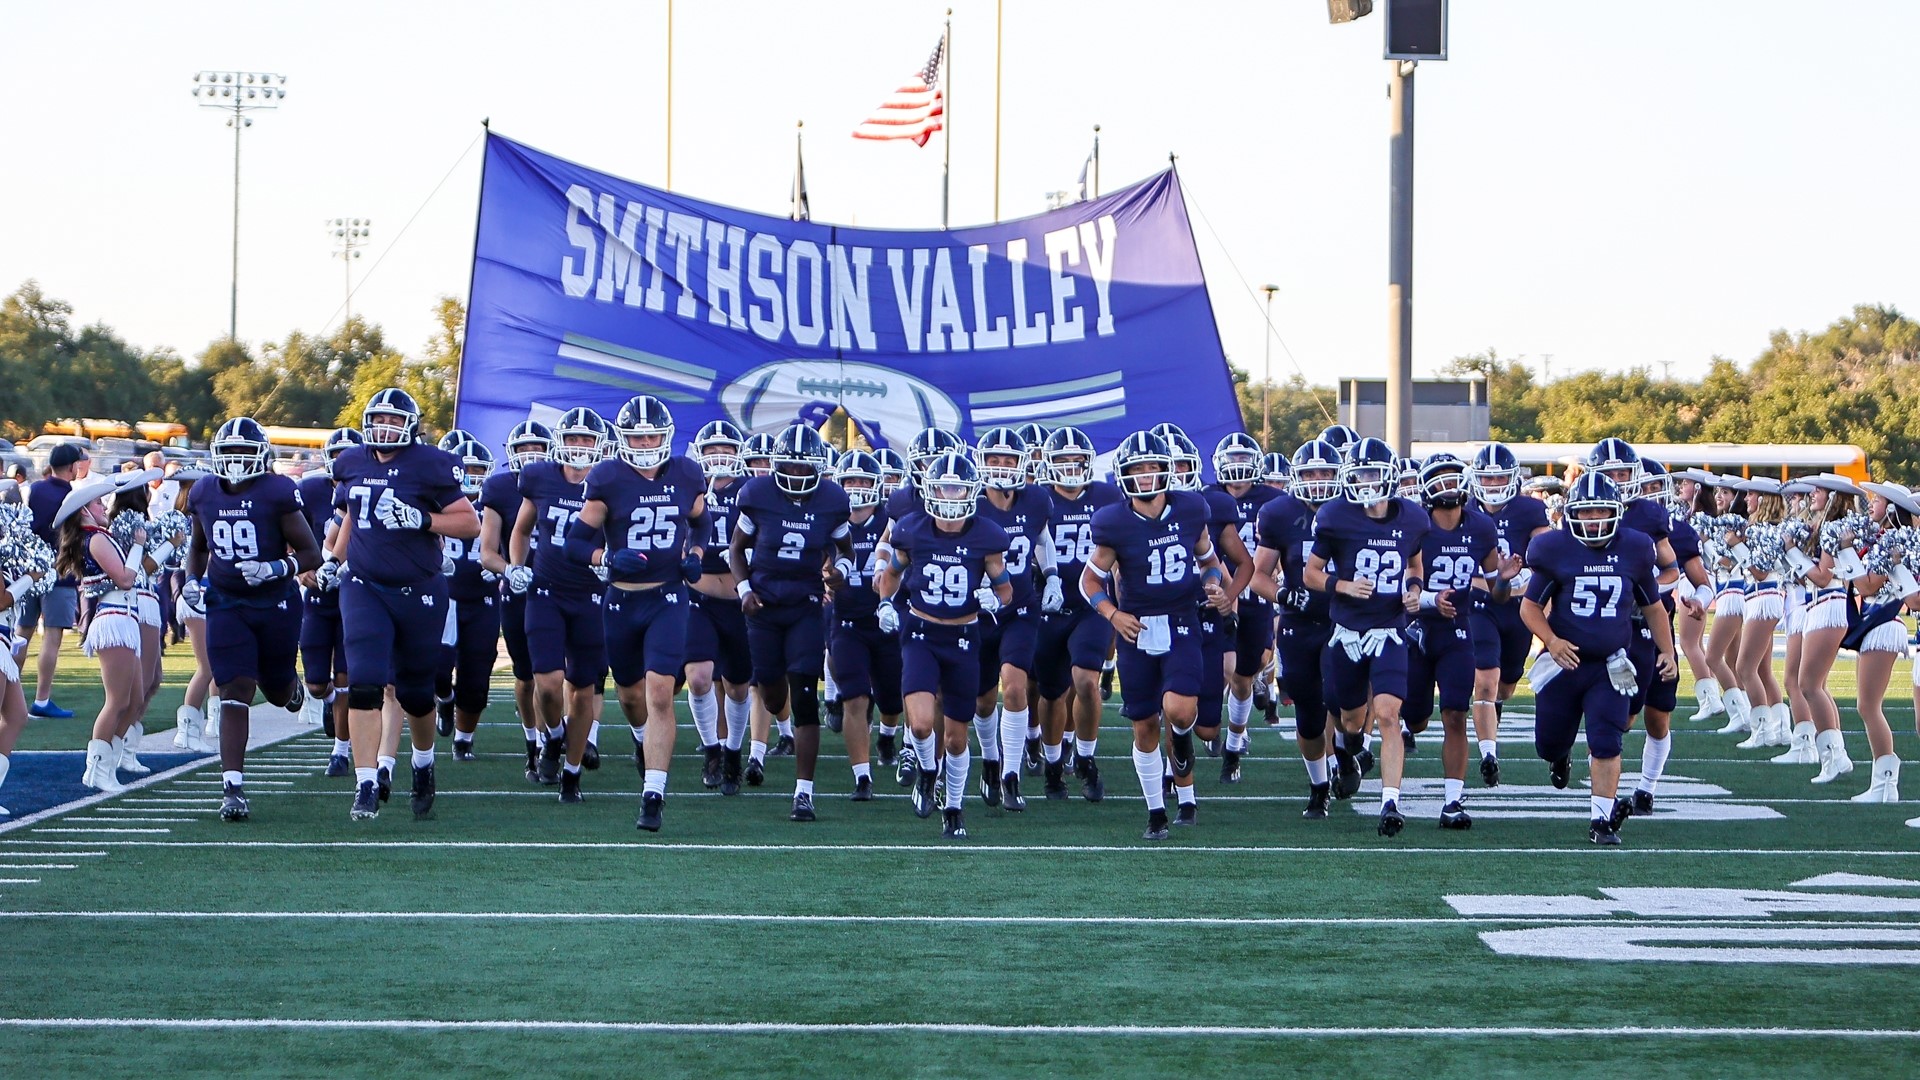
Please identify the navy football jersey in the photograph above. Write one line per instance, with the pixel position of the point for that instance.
(1025, 523)
(904, 502)
(1286, 526)
(500, 493)
(649, 515)
(1593, 594)
(793, 540)
(1647, 516)
(316, 498)
(1684, 538)
(944, 569)
(1515, 523)
(1157, 575)
(1357, 546)
(720, 511)
(244, 526)
(1249, 504)
(424, 477)
(556, 503)
(1070, 530)
(856, 599)
(1452, 558)
(466, 583)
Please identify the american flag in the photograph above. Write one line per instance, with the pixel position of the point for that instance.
(912, 112)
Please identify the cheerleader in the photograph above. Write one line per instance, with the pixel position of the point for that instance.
(1727, 506)
(88, 552)
(1688, 489)
(1881, 637)
(1758, 546)
(1830, 522)
(132, 496)
(13, 701)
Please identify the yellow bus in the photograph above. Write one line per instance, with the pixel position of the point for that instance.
(1746, 459)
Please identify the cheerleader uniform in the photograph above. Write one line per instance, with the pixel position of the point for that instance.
(116, 613)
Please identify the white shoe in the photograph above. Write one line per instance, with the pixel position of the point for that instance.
(1800, 749)
(129, 751)
(1740, 712)
(211, 730)
(1886, 782)
(1707, 693)
(1781, 731)
(186, 730)
(1757, 729)
(1834, 762)
(99, 774)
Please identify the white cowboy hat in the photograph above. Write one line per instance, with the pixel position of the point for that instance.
(84, 492)
(1835, 482)
(1796, 486)
(1764, 485)
(1897, 494)
(127, 481)
(1698, 476)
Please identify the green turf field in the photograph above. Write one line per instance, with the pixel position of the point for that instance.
(511, 935)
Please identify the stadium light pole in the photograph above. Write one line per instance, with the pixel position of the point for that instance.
(1266, 375)
(349, 236)
(238, 92)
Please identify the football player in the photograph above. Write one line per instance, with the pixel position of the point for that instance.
(864, 659)
(529, 441)
(1237, 474)
(466, 666)
(1074, 642)
(1692, 594)
(716, 631)
(1494, 480)
(1157, 542)
(1588, 579)
(323, 652)
(1009, 636)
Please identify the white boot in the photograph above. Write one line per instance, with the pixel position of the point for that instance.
(1834, 762)
(100, 760)
(5, 764)
(1739, 712)
(1759, 726)
(186, 730)
(211, 732)
(1800, 748)
(1707, 693)
(1784, 726)
(130, 750)
(1886, 781)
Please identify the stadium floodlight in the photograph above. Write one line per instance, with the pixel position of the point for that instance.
(349, 236)
(239, 93)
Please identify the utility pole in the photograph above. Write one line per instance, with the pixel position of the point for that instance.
(1400, 258)
(1266, 375)
(238, 92)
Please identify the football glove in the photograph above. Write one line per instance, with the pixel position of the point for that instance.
(989, 602)
(396, 514)
(690, 569)
(259, 573)
(519, 579)
(327, 578)
(889, 617)
(1053, 596)
(626, 565)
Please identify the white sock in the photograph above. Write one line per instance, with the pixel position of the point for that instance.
(365, 776)
(987, 728)
(463, 738)
(757, 751)
(1188, 795)
(1033, 729)
(1455, 789)
(1316, 770)
(1239, 710)
(570, 768)
(233, 776)
(1050, 752)
(1013, 735)
(1489, 748)
(885, 728)
(1602, 807)
(423, 758)
(593, 733)
(803, 787)
(1389, 795)
(833, 692)
(387, 763)
(1653, 761)
(739, 719)
(1085, 747)
(342, 748)
(1146, 765)
(863, 771)
(1366, 742)
(639, 734)
(706, 715)
(957, 768)
(786, 729)
(655, 782)
(923, 751)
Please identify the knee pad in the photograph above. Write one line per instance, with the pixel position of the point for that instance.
(415, 700)
(363, 696)
(804, 696)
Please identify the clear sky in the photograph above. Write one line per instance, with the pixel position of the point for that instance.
(1634, 182)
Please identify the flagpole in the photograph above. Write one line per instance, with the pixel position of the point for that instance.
(946, 122)
(669, 95)
(999, 11)
(1096, 161)
(799, 185)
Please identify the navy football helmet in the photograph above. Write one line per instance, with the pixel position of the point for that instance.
(643, 417)
(1316, 472)
(800, 459)
(1597, 493)
(529, 441)
(391, 419)
(240, 450)
(580, 423)
(1495, 476)
(1370, 474)
(951, 487)
(1143, 466)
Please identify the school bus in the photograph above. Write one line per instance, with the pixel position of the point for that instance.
(1745, 459)
(157, 431)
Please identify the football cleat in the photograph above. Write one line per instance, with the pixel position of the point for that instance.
(339, 765)
(833, 717)
(533, 763)
(366, 802)
(711, 767)
(990, 782)
(1622, 810)
(923, 794)
(953, 826)
(729, 772)
(1261, 699)
(423, 791)
(591, 758)
(1088, 770)
(1408, 742)
(802, 807)
(1558, 772)
(1643, 804)
(1453, 816)
(551, 756)
(863, 789)
(463, 751)
(1271, 713)
(756, 772)
(1010, 796)
(1346, 777)
(1364, 759)
(1188, 814)
(445, 711)
(570, 787)
(1213, 745)
(1034, 760)
(1489, 770)
(1156, 825)
(1056, 782)
(1230, 767)
(651, 805)
(887, 749)
(385, 783)
(783, 748)
(1602, 833)
(906, 767)
(1106, 684)
(233, 803)
(1391, 820)
(1317, 802)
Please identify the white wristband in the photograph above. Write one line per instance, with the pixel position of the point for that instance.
(844, 566)
(161, 553)
(1703, 594)
(19, 587)
(742, 588)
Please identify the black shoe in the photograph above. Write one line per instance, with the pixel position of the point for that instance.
(888, 751)
(326, 720)
(551, 757)
(590, 759)
(783, 748)
(1010, 796)
(990, 782)
(756, 772)
(1643, 804)
(906, 767)
(1622, 810)
(1558, 773)
(1317, 802)
(1091, 788)
(233, 803)
(729, 771)
(710, 767)
(1188, 814)
(423, 791)
(952, 825)
(1489, 770)
(923, 794)
(1391, 820)
(533, 763)
(570, 787)
(1346, 777)
(1056, 782)
(1230, 767)
(651, 804)
(384, 785)
(1214, 746)
(1602, 833)
(445, 709)
(1156, 825)
(1106, 684)
(1453, 817)
(1034, 760)
(1364, 759)
(1407, 742)
(1271, 713)
(463, 751)
(835, 719)
(1261, 700)
(339, 765)
(802, 808)
(863, 789)
(366, 802)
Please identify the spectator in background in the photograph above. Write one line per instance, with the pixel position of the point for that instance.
(17, 493)
(59, 610)
(162, 493)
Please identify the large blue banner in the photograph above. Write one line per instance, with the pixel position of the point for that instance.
(588, 289)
